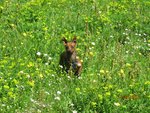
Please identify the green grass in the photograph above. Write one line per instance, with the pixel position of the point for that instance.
(113, 40)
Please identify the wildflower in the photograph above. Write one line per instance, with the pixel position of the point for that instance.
(147, 83)
(30, 64)
(77, 89)
(46, 63)
(31, 83)
(57, 98)
(122, 71)
(47, 93)
(91, 54)
(40, 75)
(128, 65)
(79, 78)
(45, 55)
(74, 111)
(49, 58)
(102, 71)
(53, 75)
(93, 43)
(24, 34)
(116, 104)
(58, 92)
(38, 53)
(60, 66)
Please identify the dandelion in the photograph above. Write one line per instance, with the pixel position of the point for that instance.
(24, 34)
(31, 83)
(116, 104)
(102, 71)
(91, 54)
(122, 71)
(128, 65)
(38, 53)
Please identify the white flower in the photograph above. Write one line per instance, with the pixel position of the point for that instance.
(74, 111)
(57, 98)
(49, 58)
(58, 92)
(38, 53)
(60, 66)
(21, 72)
(93, 43)
(53, 75)
(116, 104)
(46, 63)
(45, 55)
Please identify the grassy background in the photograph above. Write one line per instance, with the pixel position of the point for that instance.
(113, 43)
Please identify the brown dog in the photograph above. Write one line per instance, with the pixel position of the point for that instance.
(68, 59)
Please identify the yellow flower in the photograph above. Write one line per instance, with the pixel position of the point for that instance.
(128, 65)
(24, 34)
(40, 75)
(91, 54)
(147, 83)
(30, 64)
(122, 71)
(77, 90)
(102, 71)
(31, 83)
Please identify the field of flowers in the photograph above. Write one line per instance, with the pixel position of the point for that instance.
(113, 41)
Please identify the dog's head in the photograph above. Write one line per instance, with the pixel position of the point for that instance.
(69, 46)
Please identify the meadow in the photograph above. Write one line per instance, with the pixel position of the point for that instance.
(113, 42)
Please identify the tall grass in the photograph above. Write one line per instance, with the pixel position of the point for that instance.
(112, 41)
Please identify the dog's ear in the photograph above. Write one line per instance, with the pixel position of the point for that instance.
(74, 39)
(64, 40)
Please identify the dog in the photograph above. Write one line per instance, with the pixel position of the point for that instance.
(68, 59)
